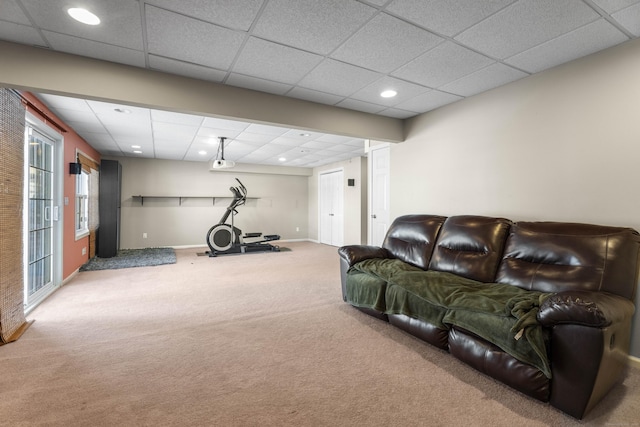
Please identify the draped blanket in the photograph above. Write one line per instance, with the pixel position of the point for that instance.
(502, 314)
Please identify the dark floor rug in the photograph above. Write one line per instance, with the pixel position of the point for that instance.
(128, 258)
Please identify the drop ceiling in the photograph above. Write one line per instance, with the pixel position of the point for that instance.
(335, 52)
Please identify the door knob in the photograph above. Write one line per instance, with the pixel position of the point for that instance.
(373, 216)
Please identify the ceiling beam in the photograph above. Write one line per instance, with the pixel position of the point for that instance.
(41, 70)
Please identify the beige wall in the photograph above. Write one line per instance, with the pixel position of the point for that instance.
(561, 145)
(280, 208)
(354, 200)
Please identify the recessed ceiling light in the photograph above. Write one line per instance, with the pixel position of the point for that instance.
(282, 159)
(305, 134)
(137, 152)
(83, 15)
(202, 153)
(388, 93)
(122, 110)
(136, 146)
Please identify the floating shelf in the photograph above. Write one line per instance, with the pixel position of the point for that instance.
(180, 198)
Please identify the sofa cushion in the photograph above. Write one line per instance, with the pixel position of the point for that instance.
(555, 257)
(411, 238)
(470, 246)
(502, 314)
(366, 287)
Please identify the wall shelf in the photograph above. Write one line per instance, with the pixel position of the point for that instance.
(181, 198)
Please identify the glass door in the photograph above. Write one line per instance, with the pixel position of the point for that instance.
(42, 217)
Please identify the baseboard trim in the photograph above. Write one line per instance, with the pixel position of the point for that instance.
(634, 362)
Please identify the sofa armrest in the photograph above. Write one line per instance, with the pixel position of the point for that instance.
(356, 253)
(350, 255)
(587, 308)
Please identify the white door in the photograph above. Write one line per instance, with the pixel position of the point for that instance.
(43, 241)
(331, 210)
(379, 215)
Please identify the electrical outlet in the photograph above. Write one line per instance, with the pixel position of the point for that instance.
(297, 228)
(84, 251)
(144, 235)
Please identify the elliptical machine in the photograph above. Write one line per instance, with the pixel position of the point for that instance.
(225, 238)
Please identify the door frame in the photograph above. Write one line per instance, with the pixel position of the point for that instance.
(57, 225)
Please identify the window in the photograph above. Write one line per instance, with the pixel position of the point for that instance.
(82, 204)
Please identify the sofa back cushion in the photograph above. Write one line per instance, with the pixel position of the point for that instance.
(411, 238)
(470, 246)
(554, 257)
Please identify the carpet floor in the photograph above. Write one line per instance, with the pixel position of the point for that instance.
(256, 340)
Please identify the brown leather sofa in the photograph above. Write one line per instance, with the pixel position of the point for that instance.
(589, 274)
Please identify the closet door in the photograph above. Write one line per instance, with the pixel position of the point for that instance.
(331, 209)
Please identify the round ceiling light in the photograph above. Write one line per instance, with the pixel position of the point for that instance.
(83, 15)
(388, 93)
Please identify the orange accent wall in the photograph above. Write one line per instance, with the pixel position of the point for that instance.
(72, 248)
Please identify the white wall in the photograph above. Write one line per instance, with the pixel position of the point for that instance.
(280, 208)
(355, 200)
(562, 145)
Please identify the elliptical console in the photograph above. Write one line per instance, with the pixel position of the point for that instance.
(225, 238)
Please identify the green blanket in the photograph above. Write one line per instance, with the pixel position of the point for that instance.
(368, 288)
(504, 315)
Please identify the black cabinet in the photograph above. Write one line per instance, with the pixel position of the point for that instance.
(109, 208)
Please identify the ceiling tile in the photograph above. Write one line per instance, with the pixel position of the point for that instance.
(58, 102)
(120, 20)
(397, 113)
(175, 132)
(629, 18)
(21, 34)
(256, 139)
(444, 63)
(187, 39)
(406, 90)
(338, 78)
(177, 118)
(237, 14)
(385, 43)
(272, 61)
(488, 78)
(314, 96)
(93, 49)
(217, 123)
(526, 24)
(109, 108)
(237, 150)
(445, 16)
(266, 129)
(581, 42)
(611, 6)
(10, 11)
(255, 83)
(181, 68)
(86, 126)
(428, 101)
(312, 25)
(288, 141)
(367, 107)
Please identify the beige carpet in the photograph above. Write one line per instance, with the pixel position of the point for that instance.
(253, 340)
